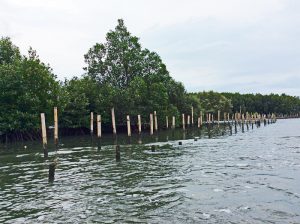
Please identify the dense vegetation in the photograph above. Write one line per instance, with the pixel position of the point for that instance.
(119, 73)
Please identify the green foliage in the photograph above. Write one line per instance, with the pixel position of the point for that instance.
(119, 74)
(117, 61)
(135, 79)
(9, 53)
(272, 103)
(28, 88)
(212, 102)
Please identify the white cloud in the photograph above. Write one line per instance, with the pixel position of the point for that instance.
(222, 42)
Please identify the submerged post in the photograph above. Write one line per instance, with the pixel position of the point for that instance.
(51, 176)
(183, 122)
(113, 119)
(153, 148)
(128, 126)
(151, 124)
(55, 127)
(118, 153)
(139, 124)
(44, 135)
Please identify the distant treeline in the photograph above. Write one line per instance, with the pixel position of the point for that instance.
(119, 73)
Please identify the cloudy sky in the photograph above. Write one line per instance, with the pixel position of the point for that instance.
(233, 45)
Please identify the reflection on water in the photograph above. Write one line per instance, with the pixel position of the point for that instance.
(222, 177)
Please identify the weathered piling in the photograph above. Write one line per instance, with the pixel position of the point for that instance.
(92, 123)
(155, 121)
(139, 124)
(219, 118)
(192, 115)
(44, 135)
(199, 122)
(118, 153)
(153, 148)
(173, 122)
(113, 120)
(235, 127)
(151, 124)
(201, 118)
(99, 131)
(167, 122)
(188, 120)
(128, 126)
(51, 175)
(55, 127)
(183, 122)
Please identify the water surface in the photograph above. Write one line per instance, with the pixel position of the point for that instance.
(250, 177)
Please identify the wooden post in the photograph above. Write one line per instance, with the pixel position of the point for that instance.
(167, 122)
(151, 124)
(188, 120)
(199, 121)
(201, 118)
(128, 126)
(155, 121)
(44, 135)
(118, 153)
(55, 127)
(173, 122)
(92, 123)
(99, 131)
(183, 122)
(219, 117)
(139, 124)
(113, 119)
(153, 148)
(192, 115)
(52, 167)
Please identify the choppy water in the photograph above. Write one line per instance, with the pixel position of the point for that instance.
(250, 177)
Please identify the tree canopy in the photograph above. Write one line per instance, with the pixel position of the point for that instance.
(119, 73)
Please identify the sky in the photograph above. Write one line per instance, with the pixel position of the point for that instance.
(247, 46)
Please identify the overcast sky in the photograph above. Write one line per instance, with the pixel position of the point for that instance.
(233, 45)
